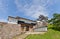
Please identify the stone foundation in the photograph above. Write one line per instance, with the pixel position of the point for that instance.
(7, 31)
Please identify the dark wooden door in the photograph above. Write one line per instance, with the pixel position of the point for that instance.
(27, 28)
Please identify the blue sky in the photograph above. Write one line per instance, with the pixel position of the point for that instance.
(30, 9)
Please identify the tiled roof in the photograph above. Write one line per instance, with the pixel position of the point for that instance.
(17, 17)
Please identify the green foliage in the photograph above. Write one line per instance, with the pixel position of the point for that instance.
(55, 21)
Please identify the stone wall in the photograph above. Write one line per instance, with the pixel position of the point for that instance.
(7, 31)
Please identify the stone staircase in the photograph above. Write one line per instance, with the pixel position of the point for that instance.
(22, 36)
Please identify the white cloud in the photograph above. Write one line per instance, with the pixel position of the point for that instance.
(35, 11)
(3, 6)
(38, 7)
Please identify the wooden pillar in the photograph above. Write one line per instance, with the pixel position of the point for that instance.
(25, 29)
(31, 28)
(22, 28)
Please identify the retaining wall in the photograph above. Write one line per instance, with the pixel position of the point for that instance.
(7, 31)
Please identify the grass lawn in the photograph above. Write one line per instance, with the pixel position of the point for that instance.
(51, 34)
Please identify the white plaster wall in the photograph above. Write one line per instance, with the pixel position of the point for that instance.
(43, 29)
(12, 22)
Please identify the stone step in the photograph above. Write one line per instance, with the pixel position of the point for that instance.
(22, 36)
